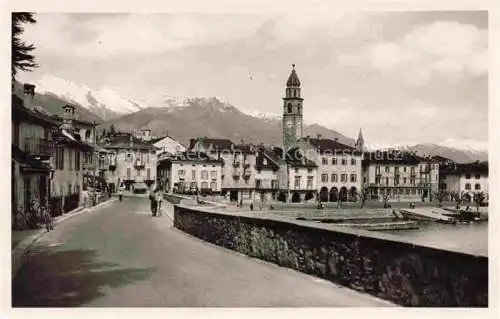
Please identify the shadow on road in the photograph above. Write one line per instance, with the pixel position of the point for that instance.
(68, 278)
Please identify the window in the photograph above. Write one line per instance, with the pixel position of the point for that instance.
(309, 170)
(377, 180)
(404, 169)
(334, 161)
(343, 177)
(204, 174)
(396, 169)
(148, 173)
(128, 172)
(289, 107)
(413, 191)
(419, 191)
(344, 161)
(296, 171)
(77, 160)
(467, 186)
(334, 178)
(194, 185)
(478, 176)
(310, 181)
(467, 176)
(204, 185)
(324, 178)
(386, 181)
(213, 174)
(297, 182)
(294, 93)
(59, 157)
(404, 180)
(138, 172)
(477, 187)
(324, 161)
(353, 178)
(443, 186)
(396, 181)
(70, 189)
(70, 159)
(213, 186)
(407, 191)
(387, 169)
(181, 172)
(412, 181)
(193, 174)
(377, 169)
(353, 161)
(400, 191)
(364, 180)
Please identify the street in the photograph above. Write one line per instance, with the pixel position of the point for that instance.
(119, 255)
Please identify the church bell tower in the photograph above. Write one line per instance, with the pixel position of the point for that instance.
(292, 111)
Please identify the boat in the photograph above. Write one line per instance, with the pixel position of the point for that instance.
(421, 214)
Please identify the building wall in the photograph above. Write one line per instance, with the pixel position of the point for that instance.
(125, 164)
(29, 130)
(183, 172)
(406, 190)
(482, 182)
(230, 182)
(303, 173)
(69, 180)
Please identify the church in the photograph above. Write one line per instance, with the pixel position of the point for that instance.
(317, 168)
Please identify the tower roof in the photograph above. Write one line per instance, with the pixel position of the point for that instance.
(360, 136)
(293, 79)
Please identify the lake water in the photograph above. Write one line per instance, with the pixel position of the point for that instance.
(472, 238)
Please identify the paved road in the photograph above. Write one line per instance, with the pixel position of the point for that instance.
(119, 255)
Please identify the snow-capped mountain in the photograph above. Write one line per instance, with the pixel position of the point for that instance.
(103, 102)
(466, 145)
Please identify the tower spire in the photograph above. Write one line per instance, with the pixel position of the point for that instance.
(360, 142)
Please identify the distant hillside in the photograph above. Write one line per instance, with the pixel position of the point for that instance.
(457, 155)
(54, 104)
(214, 118)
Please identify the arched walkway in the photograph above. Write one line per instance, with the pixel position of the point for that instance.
(323, 194)
(343, 194)
(309, 196)
(282, 197)
(352, 194)
(295, 198)
(334, 194)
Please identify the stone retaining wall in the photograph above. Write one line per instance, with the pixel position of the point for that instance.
(403, 273)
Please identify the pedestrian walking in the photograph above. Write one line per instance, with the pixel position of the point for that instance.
(120, 194)
(47, 219)
(159, 200)
(251, 206)
(152, 199)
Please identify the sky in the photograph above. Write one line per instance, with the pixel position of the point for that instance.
(403, 77)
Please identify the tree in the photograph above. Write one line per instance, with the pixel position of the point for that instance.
(455, 196)
(22, 57)
(112, 130)
(362, 195)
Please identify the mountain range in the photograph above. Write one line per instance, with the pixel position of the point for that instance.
(188, 117)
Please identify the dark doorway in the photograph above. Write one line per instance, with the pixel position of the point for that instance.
(343, 194)
(323, 194)
(334, 194)
(282, 197)
(295, 198)
(309, 196)
(233, 196)
(353, 192)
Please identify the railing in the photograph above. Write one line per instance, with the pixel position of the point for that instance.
(236, 173)
(139, 164)
(247, 173)
(112, 163)
(236, 163)
(38, 146)
(246, 164)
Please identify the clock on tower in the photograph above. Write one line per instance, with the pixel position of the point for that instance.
(292, 111)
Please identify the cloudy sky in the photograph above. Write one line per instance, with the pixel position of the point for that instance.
(401, 76)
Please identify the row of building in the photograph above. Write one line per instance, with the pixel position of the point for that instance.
(57, 158)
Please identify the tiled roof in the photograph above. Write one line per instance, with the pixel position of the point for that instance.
(294, 158)
(293, 79)
(217, 143)
(126, 141)
(271, 161)
(324, 145)
(391, 157)
(62, 137)
(245, 148)
(462, 168)
(190, 156)
(24, 114)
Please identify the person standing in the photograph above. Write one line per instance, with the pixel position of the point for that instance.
(120, 194)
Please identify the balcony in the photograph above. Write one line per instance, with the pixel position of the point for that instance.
(38, 147)
(236, 173)
(247, 174)
(246, 164)
(139, 164)
(87, 166)
(236, 163)
(112, 163)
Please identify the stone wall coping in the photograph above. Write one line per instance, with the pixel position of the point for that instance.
(330, 228)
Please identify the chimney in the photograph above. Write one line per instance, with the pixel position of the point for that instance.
(336, 139)
(318, 136)
(68, 117)
(29, 95)
(242, 142)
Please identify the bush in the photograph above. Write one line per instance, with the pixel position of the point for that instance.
(30, 217)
